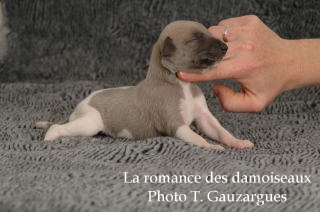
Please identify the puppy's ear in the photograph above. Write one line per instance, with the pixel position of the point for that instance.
(168, 47)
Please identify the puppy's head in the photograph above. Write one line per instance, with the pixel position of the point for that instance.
(188, 46)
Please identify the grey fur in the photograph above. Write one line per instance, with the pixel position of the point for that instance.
(152, 107)
(144, 112)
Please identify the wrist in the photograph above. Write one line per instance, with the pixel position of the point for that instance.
(303, 68)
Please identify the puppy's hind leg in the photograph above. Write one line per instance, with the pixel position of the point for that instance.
(47, 124)
(83, 126)
(185, 133)
(84, 121)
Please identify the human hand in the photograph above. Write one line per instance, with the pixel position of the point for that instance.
(257, 58)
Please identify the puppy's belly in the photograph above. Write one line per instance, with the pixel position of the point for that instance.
(122, 114)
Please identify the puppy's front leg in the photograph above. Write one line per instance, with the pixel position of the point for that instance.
(185, 133)
(210, 126)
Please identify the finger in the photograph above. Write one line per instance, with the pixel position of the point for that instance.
(233, 33)
(225, 70)
(238, 21)
(236, 102)
(192, 76)
(216, 31)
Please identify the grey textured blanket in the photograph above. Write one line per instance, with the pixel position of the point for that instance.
(61, 50)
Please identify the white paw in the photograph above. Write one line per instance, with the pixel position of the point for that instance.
(216, 147)
(52, 133)
(245, 144)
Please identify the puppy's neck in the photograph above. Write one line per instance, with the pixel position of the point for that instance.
(157, 71)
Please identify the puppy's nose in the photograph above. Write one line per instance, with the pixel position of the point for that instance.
(223, 47)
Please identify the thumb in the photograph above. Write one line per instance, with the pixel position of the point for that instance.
(224, 70)
(237, 102)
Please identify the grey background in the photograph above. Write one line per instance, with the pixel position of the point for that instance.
(61, 50)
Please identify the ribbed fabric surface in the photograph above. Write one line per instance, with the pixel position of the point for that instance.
(60, 51)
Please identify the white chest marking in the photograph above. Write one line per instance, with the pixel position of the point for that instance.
(191, 106)
(187, 104)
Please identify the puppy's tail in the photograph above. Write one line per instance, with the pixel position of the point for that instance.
(46, 124)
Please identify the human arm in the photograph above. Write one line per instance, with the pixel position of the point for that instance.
(263, 63)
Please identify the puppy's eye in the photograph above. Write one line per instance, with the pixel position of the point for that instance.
(194, 39)
(197, 37)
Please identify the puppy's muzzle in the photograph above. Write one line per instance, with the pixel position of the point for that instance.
(223, 47)
(212, 55)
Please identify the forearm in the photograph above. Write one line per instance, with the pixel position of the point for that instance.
(306, 68)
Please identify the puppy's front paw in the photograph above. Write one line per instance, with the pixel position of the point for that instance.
(216, 147)
(245, 144)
